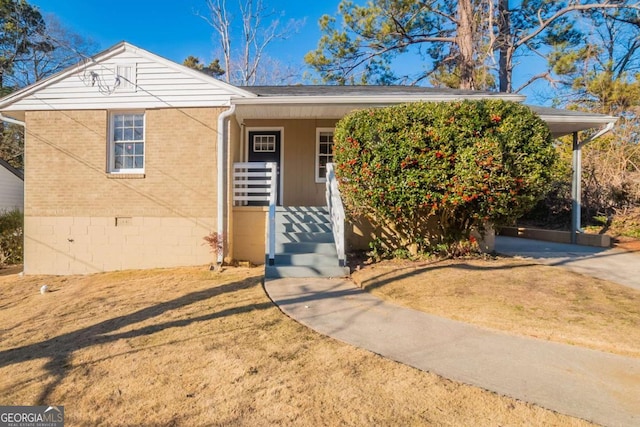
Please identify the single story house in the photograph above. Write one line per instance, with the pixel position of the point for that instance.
(11, 188)
(132, 160)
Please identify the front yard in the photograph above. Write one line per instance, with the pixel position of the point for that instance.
(191, 347)
(516, 296)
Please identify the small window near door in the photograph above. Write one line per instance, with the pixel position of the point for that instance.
(264, 143)
(324, 152)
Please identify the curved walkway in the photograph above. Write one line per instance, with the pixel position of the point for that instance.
(588, 384)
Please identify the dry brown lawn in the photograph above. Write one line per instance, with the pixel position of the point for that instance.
(188, 347)
(516, 296)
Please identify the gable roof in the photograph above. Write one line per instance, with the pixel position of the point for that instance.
(154, 81)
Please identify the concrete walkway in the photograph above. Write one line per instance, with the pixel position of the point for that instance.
(615, 265)
(588, 384)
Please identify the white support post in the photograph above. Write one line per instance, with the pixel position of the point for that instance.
(272, 211)
(576, 189)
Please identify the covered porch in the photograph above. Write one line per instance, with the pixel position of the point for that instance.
(291, 128)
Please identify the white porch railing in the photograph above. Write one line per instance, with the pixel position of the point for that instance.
(336, 212)
(257, 183)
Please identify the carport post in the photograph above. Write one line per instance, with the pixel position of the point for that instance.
(576, 189)
(576, 181)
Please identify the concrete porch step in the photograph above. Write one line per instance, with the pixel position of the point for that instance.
(288, 227)
(302, 214)
(306, 259)
(319, 237)
(280, 271)
(306, 247)
(303, 218)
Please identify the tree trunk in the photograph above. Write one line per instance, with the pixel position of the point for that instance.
(504, 40)
(464, 41)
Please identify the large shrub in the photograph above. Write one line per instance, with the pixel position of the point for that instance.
(428, 173)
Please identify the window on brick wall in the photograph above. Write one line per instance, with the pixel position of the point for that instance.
(126, 143)
(324, 152)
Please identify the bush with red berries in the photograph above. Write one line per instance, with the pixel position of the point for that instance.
(430, 173)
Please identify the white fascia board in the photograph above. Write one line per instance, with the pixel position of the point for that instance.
(366, 100)
(599, 119)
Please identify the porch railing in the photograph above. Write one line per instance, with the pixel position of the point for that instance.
(255, 183)
(336, 213)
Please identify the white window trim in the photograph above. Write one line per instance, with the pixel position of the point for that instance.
(262, 150)
(111, 143)
(320, 179)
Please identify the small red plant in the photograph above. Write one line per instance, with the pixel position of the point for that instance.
(215, 242)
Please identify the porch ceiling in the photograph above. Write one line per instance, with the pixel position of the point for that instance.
(297, 111)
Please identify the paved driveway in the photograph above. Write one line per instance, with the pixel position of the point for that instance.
(615, 265)
(584, 383)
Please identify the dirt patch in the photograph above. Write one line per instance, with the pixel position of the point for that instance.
(185, 347)
(515, 296)
(628, 244)
(624, 228)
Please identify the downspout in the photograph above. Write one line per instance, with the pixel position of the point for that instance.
(222, 170)
(12, 121)
(576, 180)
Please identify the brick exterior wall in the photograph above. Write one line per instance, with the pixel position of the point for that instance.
(66, 165)
(72, 202)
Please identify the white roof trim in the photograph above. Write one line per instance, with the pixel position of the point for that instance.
(367, 100)
(550, 118)
(112, 51)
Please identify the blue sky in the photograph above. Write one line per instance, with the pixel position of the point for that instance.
(173, 30)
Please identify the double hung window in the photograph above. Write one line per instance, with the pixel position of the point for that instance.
(127, 143)
(324, 152)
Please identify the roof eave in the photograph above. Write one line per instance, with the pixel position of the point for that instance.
(367, 99)
(562, 125)
(550, 118)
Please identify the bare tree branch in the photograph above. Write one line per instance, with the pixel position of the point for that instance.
(544, 24)
(544, 76)
(243, 60)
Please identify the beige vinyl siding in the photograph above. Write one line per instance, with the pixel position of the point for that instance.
(11, 191)
(158, 86)
(299, 157)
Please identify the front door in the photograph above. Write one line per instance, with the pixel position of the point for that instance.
(264, 146)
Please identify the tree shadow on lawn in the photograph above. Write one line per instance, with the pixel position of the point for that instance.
(58, 350)
(387, 277)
